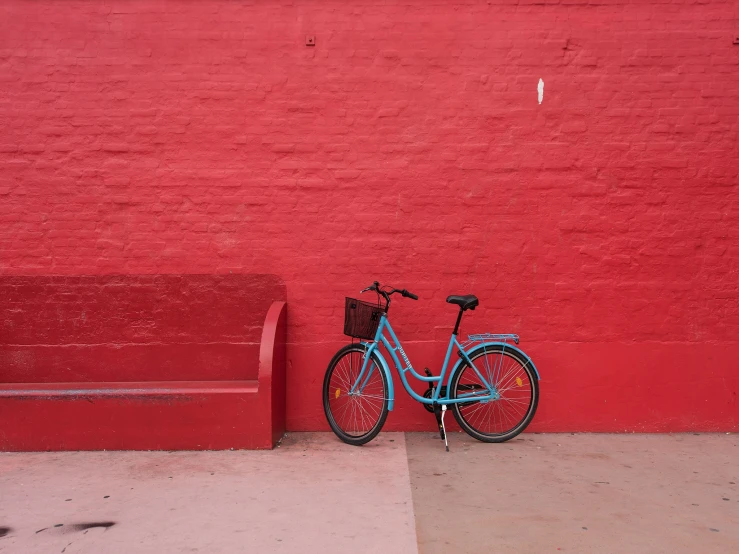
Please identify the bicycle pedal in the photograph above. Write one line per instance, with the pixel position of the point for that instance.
(428, 393)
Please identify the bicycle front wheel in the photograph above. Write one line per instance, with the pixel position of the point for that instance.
(356, 417)
(514, 379)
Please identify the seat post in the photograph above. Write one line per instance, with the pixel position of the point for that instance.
(459, 319)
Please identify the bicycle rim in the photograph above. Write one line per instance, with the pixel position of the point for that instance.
(359, 415)
(501, 419)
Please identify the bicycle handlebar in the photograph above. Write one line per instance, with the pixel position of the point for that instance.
(373, 286)
(386, 293)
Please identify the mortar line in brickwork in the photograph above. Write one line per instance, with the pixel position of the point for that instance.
(72, 344)
(548, 341)
(311, 343)
(635, 341)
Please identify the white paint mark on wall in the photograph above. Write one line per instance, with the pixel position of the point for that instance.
(540, 89)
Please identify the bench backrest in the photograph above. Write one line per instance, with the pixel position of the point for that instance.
(133, 327)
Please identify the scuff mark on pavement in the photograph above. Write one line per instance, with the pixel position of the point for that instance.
(84, 526)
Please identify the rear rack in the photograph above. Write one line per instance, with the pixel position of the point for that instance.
(485, 337)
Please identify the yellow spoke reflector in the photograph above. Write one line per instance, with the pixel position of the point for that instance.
(338, 392)
(518, 382)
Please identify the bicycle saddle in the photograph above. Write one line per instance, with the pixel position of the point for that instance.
(464, 301)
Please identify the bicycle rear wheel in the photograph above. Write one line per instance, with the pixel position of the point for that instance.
(357, 417)
(511, 374)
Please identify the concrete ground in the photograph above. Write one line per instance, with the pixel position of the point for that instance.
(577, 493)
(401, 493)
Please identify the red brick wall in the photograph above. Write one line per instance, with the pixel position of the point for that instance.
(407, 146)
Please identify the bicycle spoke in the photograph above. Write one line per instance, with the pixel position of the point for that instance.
(358, 413)
(512, 383)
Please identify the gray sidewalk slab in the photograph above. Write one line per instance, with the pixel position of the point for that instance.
(536, 494)
(576, 493)
(312, 494)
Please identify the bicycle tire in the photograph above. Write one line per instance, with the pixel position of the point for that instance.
(463, 417)
(331, 387)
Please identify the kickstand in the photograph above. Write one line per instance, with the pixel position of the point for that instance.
(443, 413)
(439, 412)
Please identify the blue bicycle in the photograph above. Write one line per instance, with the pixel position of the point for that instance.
(493, 388)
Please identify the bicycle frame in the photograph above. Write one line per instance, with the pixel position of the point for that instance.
(489, 393)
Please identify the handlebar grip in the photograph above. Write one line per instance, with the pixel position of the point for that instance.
(409, 295)
(374, 286)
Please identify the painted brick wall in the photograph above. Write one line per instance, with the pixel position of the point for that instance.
(406, 146)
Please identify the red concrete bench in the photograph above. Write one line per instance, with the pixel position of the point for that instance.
(142, 362)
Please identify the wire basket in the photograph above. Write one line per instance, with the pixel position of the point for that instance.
(361, 319)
